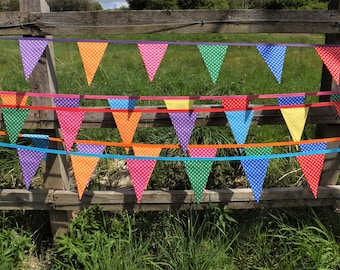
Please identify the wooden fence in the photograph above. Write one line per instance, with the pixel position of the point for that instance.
(34, 19)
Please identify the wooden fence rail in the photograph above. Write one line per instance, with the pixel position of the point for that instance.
(34, 19)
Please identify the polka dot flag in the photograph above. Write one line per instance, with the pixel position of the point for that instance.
(141, 170)
(91, 54)
(213, 56)
(84, 166)
(69, 122)
(198, 171)
(256, 169)
(31, 50)
(311, 165)
(331, 58)
(336, 98)
(274, 56)
(239, 120)
(152, 55)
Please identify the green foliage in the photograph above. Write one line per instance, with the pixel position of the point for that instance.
(74, 5)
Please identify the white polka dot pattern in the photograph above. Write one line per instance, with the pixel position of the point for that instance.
(331, 58)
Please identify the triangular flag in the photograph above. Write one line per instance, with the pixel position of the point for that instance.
(31, 50)
(198, 171)
(274, 56)
(331, 58)
(152, 55)
(19, 99)
(39, 140)
(14, 120)
(239, 120)
(29, 162)
(311, 165)
(141, 170)
(213, 56)
(126, 122)
(84, 166)
(91, 54)
(295, 118)
(183, 122)
(336, 98)
(256, 169)
(69, 122)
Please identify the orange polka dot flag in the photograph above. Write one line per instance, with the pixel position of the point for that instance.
(91, 54)
(84, 166)
(198, 171)
(141, 170)
(311, 165)
(152, 55)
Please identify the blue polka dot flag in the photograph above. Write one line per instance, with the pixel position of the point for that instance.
(274, 56)
(256, 169)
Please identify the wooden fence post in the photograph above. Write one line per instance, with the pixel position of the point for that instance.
(330, 172)
(43, 80)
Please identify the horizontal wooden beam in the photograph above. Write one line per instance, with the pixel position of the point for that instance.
(156, 200)
(47, 119)
(170, 21)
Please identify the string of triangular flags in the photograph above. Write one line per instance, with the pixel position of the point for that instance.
(310, 157)
(152, 53)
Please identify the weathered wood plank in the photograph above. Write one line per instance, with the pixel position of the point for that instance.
(156, 200)
(47, 119)
(170, 21)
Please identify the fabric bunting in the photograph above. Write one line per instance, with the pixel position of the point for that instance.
(91, 54)
(14, 118)
(39, 140)
(331, 58)
(141, 170)
(239, 120)
(256, 169)
(152, 55)
(198, 171)
(183, 122)
(31, 51)
(213, 56)
(274, 56)
(336, 98)
(29, 163)
(311, 165)
(69, 122)
(295, 118)
(83, 166)
(126, 122)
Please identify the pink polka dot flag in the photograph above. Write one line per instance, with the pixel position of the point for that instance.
(152, 55)
(311, 165)
(198, 171)
(69, 122)
(141, 170)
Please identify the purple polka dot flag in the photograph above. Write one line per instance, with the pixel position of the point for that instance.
(312, 165)
(152, 55)
(256, 169)
(29, 162)
(69, 122)
(274, 56)
(39, 141)
(213, 56)
(31, 51)
(331, 58)
(198, 171)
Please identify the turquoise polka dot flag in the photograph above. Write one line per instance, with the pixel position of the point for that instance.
(256, 169)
